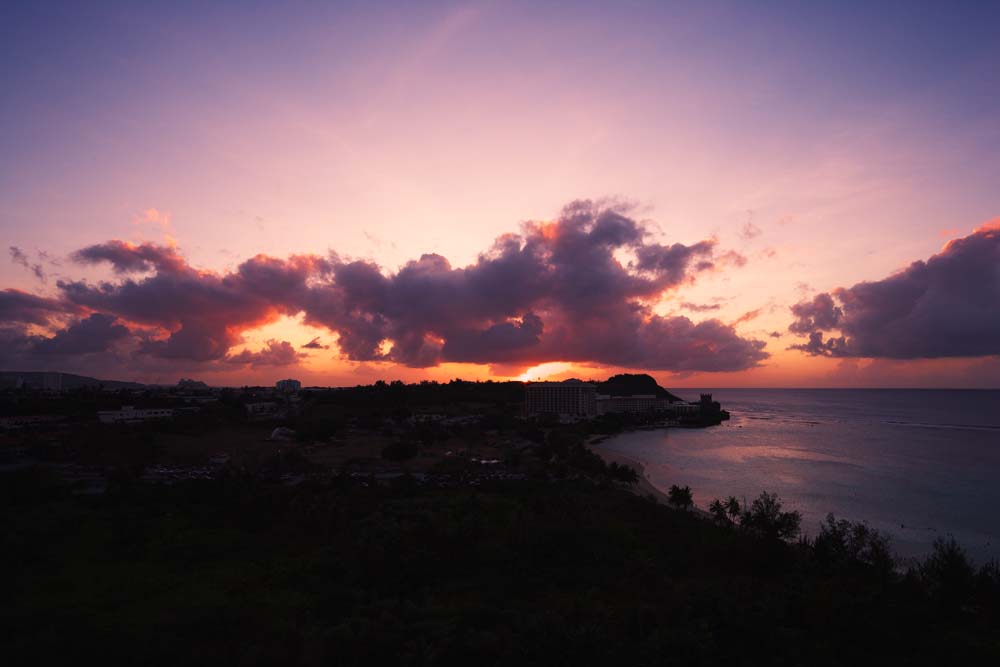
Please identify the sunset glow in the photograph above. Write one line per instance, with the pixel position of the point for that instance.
(330, 194)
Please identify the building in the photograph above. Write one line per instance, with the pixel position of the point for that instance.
(131, 415)
(28, 421)
(645, 403)
(684, 409)
(571, 398)
(288, 386)
(574, 399)
(634, 403)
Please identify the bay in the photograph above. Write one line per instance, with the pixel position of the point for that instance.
(916, 464)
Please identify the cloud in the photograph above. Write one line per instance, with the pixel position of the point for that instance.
(126, 257)
(580, 288)
(19, 257)
(820, 313)
(96, 333)
(747, 316)
(556, 291)
(316, 344)
(90, 343)
(699, 308)
(498, 342)
(27, 308)
(274, 353)
(750, 231)
(943, 307)
(200, 314)
(732, 258)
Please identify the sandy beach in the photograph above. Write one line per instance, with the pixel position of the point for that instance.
(643, 487)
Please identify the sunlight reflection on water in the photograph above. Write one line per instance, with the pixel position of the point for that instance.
(918, 464)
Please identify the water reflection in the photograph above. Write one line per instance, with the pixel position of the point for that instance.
(917, 464)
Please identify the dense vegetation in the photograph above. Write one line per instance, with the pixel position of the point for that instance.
(562, 566)
(237, 571)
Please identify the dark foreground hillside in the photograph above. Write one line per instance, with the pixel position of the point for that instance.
(242, 572)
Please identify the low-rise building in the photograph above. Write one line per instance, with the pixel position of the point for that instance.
(28, 421)
(131, 415)
(635, 403)
(638, 403)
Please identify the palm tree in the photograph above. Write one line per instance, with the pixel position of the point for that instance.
(719, 512)
(680, 496)
(733, 508)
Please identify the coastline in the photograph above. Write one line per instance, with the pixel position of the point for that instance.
(644, 487)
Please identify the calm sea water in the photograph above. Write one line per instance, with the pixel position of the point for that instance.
(917, 464)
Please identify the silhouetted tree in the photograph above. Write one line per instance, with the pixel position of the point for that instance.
(718, 512)
(948, 573)
(627, 474)
(841, 544)
(727, 512)
(733, 508)
(766, 518)
(680, 496)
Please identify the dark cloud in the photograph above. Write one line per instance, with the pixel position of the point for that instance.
(315, 344)
(505, 340)
(274, 353)
(87, 344)
(698, 307)
(126, 257)
(202, 313)
(579, 288)
(775, 334)
(820, 313)
(24, 307)
(556, 291)
(15, 346)
(19, 257)
(96, 333)
(670, 263)
(678, 344)
(944, 307)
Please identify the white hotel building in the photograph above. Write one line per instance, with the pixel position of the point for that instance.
(581, 400)
(131, 415)
(573, 399)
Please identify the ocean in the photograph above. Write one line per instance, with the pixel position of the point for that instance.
(916, 464)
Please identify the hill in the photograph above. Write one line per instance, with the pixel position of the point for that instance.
(60, 381)
(627, 384)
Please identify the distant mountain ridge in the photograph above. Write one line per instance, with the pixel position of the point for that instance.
(60, 381)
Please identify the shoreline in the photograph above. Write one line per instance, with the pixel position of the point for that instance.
(644, 487)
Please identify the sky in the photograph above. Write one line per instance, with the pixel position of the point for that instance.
(782, 194)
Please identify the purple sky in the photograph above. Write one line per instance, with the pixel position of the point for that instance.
(818, 150)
